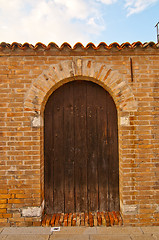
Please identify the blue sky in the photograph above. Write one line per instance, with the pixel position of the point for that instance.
(78, 21)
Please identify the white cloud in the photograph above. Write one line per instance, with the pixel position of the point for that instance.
(74, 8)
(49, 20)
(107, 1)
(136, 6)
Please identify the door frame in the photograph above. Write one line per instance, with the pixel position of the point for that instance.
(69, 69)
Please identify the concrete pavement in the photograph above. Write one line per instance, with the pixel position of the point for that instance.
(80, 233)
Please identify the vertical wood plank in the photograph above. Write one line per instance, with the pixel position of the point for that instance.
(69, 148)
(92, 186)
(80, 146)
(113, 190)
(58, 123)
(102, 145)
(48, 152)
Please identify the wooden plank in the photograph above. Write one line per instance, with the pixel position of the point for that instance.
(69, 148)
(80, 146)
(113, 155)
(48, 153)
(92, 178)
(102, 145)
(58, 122)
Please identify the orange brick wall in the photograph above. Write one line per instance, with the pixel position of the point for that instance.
(29, 75)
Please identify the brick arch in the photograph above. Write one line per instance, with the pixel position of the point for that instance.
(85, 69)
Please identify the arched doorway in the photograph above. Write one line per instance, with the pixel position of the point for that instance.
(81, 169)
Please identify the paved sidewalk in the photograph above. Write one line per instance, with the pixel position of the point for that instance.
(80, 233)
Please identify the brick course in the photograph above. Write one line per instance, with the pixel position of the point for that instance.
(27, 78)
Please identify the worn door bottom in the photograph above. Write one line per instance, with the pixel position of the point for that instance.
(83, 219)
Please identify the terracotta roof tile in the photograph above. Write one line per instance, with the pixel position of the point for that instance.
(78, 45)
(65, 44)
(52, 45)
(90, 45)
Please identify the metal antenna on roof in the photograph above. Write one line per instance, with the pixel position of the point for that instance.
(157, 32)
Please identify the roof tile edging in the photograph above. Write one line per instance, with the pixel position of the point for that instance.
(38, 45)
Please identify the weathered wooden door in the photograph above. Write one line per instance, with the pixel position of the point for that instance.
(81, 149)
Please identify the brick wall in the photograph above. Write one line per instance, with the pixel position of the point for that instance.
(28, 75)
